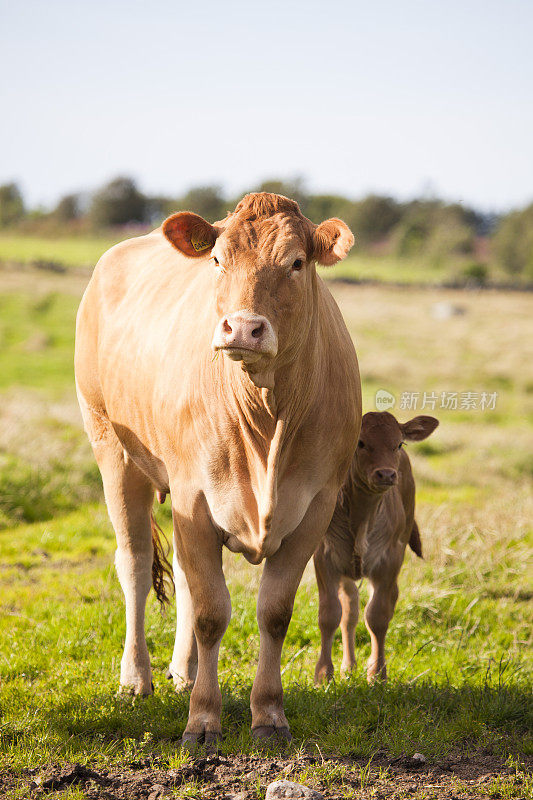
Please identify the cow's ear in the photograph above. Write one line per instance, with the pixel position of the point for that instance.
(332, 241)
(418, 428)
(190, 234)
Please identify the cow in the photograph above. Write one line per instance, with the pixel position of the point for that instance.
(213, 363)
(374, 520)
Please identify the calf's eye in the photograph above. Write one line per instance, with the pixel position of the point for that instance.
(215, 259)
(360, 444)
(297, 264)
(400, 446)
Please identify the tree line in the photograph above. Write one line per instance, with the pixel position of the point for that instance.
(427, 227)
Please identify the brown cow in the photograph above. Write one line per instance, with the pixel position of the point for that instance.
(373, 522)
(253, 445)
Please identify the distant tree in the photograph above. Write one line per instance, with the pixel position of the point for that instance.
(207, 201)
(11, 205)
(373, 218)
(513, 242)
(324, 206)
(118, 203)
(434, 229)
(68, 208)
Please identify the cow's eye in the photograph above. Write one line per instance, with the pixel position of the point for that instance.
(360, 444)
(400, 446)
(215, 259)
(298, 264)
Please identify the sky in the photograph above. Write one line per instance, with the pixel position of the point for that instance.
(401, 97)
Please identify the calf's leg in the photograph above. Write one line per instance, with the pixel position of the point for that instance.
(129, 497)
(378, 614)
(281, 576)
(329, 612)
(349, 599)
(199, 552)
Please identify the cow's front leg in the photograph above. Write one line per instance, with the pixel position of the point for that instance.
(200, 555)
(281, 576)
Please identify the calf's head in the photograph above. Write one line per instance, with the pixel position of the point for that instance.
(377, 457)
(263, 260)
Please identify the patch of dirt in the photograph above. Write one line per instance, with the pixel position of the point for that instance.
(240, 777)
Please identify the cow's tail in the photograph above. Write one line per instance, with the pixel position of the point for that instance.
(162, 577)
(415, 542)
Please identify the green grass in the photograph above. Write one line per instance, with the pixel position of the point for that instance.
(37, 340)
(69, 251)
(459, 645)
(388, 269)
(458, 663)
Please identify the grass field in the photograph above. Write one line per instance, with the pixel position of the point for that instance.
(459, 646)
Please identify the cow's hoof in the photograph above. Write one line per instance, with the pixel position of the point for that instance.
(323, 674)
(209, 740)
(135, 690)
(180, 684)
(376, 677)
(263, 732)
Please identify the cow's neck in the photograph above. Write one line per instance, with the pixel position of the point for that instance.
(270, 415)
(272, 404)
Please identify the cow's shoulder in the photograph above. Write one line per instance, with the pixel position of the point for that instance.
(140, 272)
(121, 265)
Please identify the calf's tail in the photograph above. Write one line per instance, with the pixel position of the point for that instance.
(162, 577)
(415, 542)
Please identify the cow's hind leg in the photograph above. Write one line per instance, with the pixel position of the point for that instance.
(184, 664)
(349, 599)
(329, 612)
(129, 497)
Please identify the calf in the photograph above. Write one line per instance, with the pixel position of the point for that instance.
(371, 526)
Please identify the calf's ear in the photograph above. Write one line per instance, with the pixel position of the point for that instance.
(418, 428)
(190, 234)
(332, 241)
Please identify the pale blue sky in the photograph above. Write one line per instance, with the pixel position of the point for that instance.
(395, 96)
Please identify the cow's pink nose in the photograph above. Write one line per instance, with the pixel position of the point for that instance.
(245, 331)
(385, 477)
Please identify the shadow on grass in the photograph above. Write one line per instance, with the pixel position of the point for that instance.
(349, 719)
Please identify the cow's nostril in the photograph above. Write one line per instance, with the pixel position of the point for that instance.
(256, 333)
(226, 327)
(386, 475)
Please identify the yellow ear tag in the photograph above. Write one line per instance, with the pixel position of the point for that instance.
(199, 244)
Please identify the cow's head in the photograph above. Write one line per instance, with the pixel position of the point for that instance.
(377, 457)
(263, 259)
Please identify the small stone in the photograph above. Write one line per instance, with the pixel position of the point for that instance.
(420, 757)
(287, 789)
(156, 791)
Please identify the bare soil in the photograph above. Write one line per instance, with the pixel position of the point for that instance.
(243, 777)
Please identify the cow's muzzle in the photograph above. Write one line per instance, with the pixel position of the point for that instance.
(383, 477)
(243, 336)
